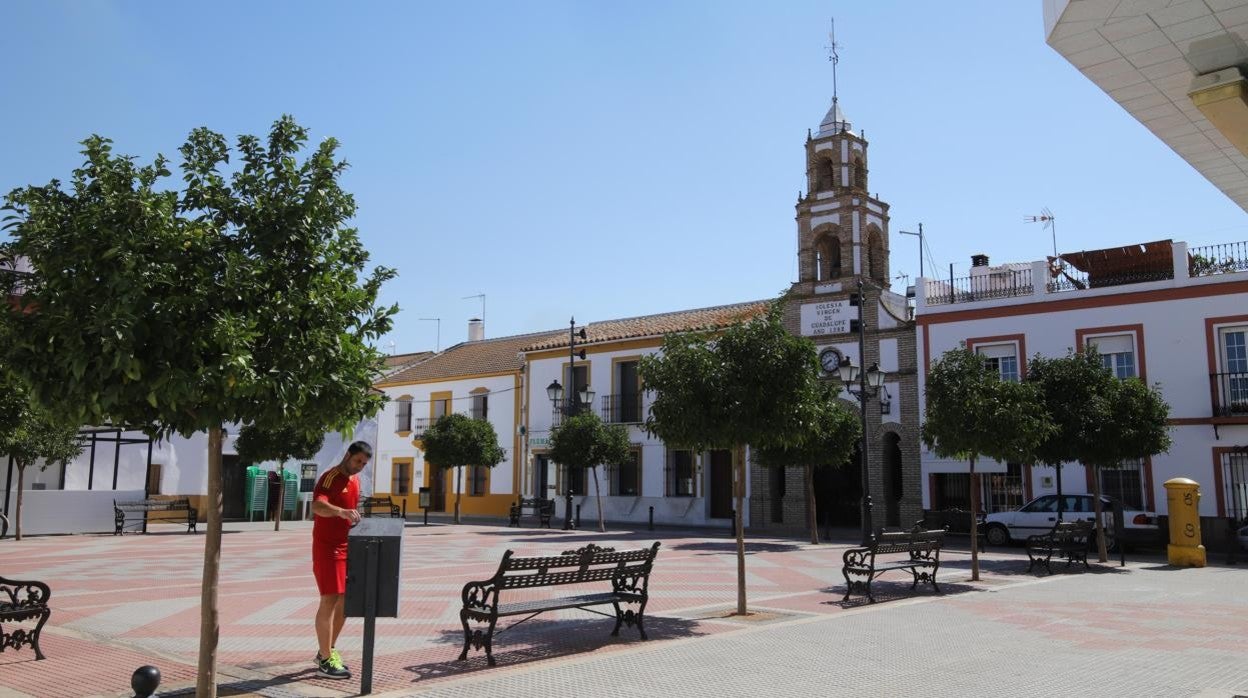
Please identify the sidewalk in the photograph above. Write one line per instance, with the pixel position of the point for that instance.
(120, 602)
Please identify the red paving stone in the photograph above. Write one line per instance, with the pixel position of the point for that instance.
(120, 602)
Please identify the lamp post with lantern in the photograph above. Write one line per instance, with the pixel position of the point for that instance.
(869, 383)
(577, 400)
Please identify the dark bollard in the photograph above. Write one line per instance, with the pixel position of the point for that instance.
(426, 516)
(578, 515)
(651, 518)
(145, 681)
(1232, 541)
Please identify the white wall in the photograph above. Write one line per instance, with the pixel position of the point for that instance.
(1174, 355)
(64, 511)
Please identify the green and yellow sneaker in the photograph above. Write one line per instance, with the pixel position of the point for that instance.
(331, 667)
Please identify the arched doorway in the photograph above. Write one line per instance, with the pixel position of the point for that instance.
(838, 494)
(892, 479)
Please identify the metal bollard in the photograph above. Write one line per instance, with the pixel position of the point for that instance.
(145, 680)
(652, 518)
(1232, 541)
(578, 515)
(426, 516)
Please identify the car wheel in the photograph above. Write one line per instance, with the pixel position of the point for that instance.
(997, 535)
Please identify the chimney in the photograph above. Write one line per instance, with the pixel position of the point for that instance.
(476, 330)
(979, 260)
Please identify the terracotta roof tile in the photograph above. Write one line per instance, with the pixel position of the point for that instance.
(401, 360)
(653, 325)
(469, 358)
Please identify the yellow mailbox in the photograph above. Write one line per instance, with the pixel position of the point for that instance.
(1183, 504)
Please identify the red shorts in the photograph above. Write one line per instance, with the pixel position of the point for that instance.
(329, 566)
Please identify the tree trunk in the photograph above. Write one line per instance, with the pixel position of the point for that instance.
(1101, 550)
(810, 505)
(602, 523)
(17, 518)
(281, 497)
(974, 523)
(459, 490)
(209, 616)
(1061, 507)
(739, 491)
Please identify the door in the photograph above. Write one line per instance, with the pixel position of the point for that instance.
(543, 482)
(721, 484)
(437, 488)
(233, 486)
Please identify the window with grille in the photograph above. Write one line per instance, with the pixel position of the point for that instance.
(1234, 377)
(1235, 484)
(626, 477)
(1001, 358)
(401, 478)
(1125, 483)
(478, 480)
(681, 473)
(481, 405)
(403, 419)
(572, 480)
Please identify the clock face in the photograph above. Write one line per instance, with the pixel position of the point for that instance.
(829, 359)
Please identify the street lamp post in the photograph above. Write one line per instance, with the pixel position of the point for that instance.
(576, 401)
(869, 383)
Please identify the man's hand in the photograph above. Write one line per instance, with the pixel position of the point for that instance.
(350, 514)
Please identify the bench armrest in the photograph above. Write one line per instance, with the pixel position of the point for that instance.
(859, 557)
(481, 596)
(17, 593)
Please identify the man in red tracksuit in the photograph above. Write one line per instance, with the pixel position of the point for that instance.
(334, 504)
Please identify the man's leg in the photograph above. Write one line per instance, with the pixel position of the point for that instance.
(327, 625)
(340, 618)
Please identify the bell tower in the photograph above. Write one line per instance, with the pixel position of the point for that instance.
(842, 231)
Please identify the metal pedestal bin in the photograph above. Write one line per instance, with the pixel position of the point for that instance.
(374, 552)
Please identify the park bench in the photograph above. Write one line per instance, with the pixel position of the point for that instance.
(543, 509)
(134, 514)
(628, 573)
(379, 506)
(1068, 539)
(23, 602)
(922, 558)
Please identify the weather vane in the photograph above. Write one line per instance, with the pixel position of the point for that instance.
(833, 57)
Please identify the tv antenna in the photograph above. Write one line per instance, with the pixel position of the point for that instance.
(482, 297)
(1050, 222)
(392, 345)
(438, 346)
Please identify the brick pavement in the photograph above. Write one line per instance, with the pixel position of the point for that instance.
(123, 601)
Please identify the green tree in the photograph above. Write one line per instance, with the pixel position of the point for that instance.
(829, 443)
(972, 413)
(256, 445)
(753, 384)
(1134, 426)
(583, 441)
(31, 434)
(241, 298)
(457, 440)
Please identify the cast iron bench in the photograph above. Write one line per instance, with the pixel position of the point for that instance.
(22, 602)
(922, 558)
(628, 572)
(134, 514)
(379, 506)
(1068, 539)
(543, 509)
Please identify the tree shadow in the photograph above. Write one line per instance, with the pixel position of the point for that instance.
(730, 546)
(247, 687)
(1018, 567)
(536, 641)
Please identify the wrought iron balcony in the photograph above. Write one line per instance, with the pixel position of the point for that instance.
(1230, 394)
(622, 409)
(420, 426)
(567, 407)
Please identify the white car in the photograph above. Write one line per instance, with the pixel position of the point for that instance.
(1039, 515)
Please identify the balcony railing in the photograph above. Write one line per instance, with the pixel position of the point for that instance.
(1226, 258)
(1230, 394)
(420, 426)
(567, 407)
(967, 289)
(622, 409)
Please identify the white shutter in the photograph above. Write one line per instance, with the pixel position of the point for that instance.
(1115, 344)
(997, 351)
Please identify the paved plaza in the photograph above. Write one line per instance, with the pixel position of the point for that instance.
(1142, 630)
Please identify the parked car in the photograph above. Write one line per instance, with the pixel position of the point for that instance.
(1039, 515)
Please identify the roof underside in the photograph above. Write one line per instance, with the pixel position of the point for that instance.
(1144, 54)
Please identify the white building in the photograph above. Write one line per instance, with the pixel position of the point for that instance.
(1157, 311)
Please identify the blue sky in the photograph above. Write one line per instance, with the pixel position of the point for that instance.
(608, 160)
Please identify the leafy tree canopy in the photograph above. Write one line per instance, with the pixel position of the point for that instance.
(584, 441)
(457, 440)
(29, 431)
(1135, 425)
(1071, 391)
(256, 445)
(829, 443)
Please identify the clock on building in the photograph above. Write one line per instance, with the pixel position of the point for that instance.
(829, 359)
